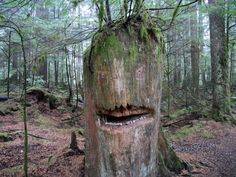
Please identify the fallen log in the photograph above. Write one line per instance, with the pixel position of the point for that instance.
(5, 98)
(185, 120)
(21, 133)
(173, 122)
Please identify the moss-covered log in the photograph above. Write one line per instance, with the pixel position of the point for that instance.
(42, 95)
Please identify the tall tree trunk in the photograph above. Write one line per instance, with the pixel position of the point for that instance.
(232, 66)
(194, 51)
(43, 13)
(174, 48)
(168, 87)
(185, 83)
(48, 75)
(15, 56)
(25, 111)
(8, 65)
(201, 42)
(168, 75)
(56, 65)
(43, 68)
(219, 63)
(108, 11)
(20, 74)
(69, 99)
(62, 72)
(25, 165)
(76, 77)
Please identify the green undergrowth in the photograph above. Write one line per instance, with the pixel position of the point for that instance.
(197, 129)
(187, 130)
(4, 137)
(233, 100)
(78, 130)
(179, 113)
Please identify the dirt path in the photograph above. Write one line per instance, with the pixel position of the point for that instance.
(210, 157)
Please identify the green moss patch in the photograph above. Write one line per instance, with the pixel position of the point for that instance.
(198, 129)
(4, 137)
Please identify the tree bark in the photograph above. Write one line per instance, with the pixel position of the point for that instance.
(194, 51)
(15, 57)
(108, 11)
(56, 65)
(43, 13)
(43, 68)
(48, 76)
(201, 42)
(70, 95)
(219, 62)
(8, 65)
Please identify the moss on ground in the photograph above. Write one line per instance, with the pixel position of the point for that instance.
(179, 113)
(79, 130)
(45, 96)
(4, 137)
(189, 130)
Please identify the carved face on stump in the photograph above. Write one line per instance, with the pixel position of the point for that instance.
(122, 92)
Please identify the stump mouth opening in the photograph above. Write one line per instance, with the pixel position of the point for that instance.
(123, 116)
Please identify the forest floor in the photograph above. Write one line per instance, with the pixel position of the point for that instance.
(49, 141)
(208, 147)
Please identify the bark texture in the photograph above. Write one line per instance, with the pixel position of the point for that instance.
(219, 62)
(194, 51)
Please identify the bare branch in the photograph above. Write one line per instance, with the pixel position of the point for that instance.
(169, 8)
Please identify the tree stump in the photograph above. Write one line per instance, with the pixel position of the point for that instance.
(73, 143)
(122, 77)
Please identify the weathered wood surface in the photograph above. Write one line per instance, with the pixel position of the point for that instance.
(122, 77)
(126, 72)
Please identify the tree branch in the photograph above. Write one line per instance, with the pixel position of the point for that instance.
(168, 8)
(174, 15)
(231, 26)
(108, 11)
